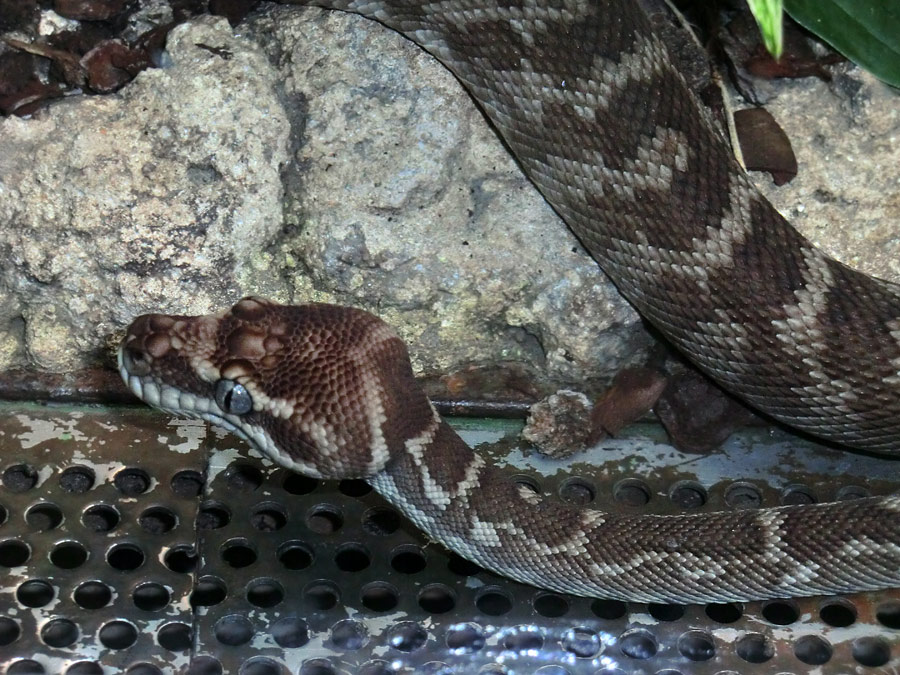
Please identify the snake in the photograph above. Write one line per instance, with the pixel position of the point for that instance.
(588, 100)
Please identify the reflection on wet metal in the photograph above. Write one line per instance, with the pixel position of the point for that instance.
(119, 550)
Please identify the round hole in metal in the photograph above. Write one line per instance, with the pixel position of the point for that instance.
(158, 520)
(696, 645)
(175, 636)
(151, 597)
(68, 555)
(298, 484)
(582, 642)
(233, 630)
(577, 491)
(100, 518)
(25, 667)
(888, 614)
(780, 612)
(85, 668)
(743, 495)
(688, 495)
(638, 644)
(295, 555)
(755, 648)
(838, 613)
(132, 481)
(437, 598)
(872, 652)
(609, 609)
(495, 669)
(493, 601)
(264, 592)
(852, 492)
(324, 519)
(796, 494)
(349, 634)
(213, 515)
(261, 665)
(238, 553)
(14, 553)
(125, 557)
(550, 605)
(552, 670)
(354, 487)
(408, 559)
(187, 484)
(77, 479)
(727, 612)
(632, 492)
(92, 595)
(143, 669)
(290, 632)
(379, 596)
(243, 477)
(465, 638)
(19, 477)
(464, 568)
(813, 650)
(321, 594)
(44, 516)
(35, 593)
(352, 557)
(118, 634)
(181, 559)
(9, 631)
(662, 612)
(4, 514)
(527, 481)
(59, 633)
(208, 591)
(381, 521)
(523, 639)
(317, 667)
(407, 636)
(205, 665)
(376, 667)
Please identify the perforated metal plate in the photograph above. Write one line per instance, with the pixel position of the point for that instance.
(302, 576)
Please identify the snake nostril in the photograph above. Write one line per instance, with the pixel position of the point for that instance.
(137, 361)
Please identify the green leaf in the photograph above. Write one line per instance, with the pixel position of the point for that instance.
(768, 16)
(865, 31)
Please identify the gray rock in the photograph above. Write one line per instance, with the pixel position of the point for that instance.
(161, 197)
(846, 196)
(408, 205)
(343, 165)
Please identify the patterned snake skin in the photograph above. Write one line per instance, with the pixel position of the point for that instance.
(587, 99)
(328, 391)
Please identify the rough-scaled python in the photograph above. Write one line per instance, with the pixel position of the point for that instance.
(591, 105)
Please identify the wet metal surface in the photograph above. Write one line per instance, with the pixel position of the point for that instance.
(254, 570)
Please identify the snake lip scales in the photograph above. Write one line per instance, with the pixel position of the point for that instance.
(329, 391)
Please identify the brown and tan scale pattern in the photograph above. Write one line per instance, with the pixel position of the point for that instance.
(334, 396)
(588, 100)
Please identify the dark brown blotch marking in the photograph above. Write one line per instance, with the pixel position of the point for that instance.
(157, 345)
(250, 309)
(246, 342)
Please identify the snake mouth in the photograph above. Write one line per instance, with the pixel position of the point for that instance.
(173, 401)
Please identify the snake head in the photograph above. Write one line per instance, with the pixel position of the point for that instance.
(320, 389)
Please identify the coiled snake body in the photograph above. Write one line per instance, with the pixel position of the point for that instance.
(588, 100)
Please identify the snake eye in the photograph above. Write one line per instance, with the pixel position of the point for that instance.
(233, 398)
